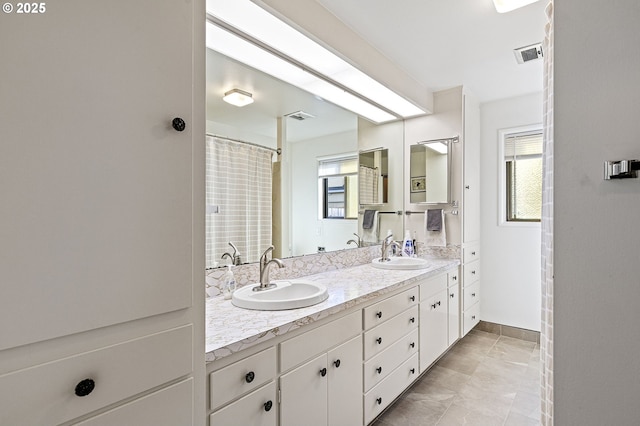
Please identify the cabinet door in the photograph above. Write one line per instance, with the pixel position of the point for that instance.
(433, 328)
(345, 384)
(304, 394)
(471, 191)
(96, 216)
(454, 314)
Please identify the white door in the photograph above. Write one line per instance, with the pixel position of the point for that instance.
(304, 394)
(95, 216)
(345, 383)
(433, 328)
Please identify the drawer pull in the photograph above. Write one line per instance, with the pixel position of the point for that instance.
(413, 371)
(412, 319)
(337, 363)
(379, 401)
(379, 314)
(268, 405)
(178, 124)
(473, 272)
(323, 372)
(379, 370)
(473, 317)
(433, 306)
(452, 295)
(455, 278)
(412, 344)
(250, 376)
(473, 295)
(379, 340)
(412, 298)
(438, 303)
(85, 387)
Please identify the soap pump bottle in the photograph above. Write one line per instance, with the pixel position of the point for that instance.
(229, 283)
(407, 245)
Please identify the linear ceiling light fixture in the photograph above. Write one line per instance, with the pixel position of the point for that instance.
(256, 23)
(238, 97)
(503, 6)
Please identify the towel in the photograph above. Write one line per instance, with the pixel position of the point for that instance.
(367, 220)
(434, 220)
(435, 238)
(371, 235)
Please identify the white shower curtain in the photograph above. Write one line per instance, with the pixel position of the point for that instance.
(368, 185)
(238, 187)
(546, 338)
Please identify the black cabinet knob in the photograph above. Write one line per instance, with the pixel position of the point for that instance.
(323, 372)
(413, 371)
(473, 295)
(337, 363)
(412, 344)
(85, 387)
(250, 376)
(452, 295)
(379, 340)
(413, 298)
(379, 401)
(178, 124)
(379, 314)
(379, 370)
(412, 319)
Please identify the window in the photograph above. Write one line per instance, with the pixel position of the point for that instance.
(521, 175)
(338, 188)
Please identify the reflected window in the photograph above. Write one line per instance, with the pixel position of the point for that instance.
(338, 188)
(522, 176)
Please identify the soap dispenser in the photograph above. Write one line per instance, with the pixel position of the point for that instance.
(407, 245)
(229, 283)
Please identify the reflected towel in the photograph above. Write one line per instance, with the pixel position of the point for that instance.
(434, 220)
(435, 238)
(367, 220)
(371, 235)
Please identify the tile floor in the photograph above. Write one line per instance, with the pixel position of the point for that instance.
(484, 380)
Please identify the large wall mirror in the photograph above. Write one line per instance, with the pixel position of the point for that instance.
(429, 164)
(302, 216)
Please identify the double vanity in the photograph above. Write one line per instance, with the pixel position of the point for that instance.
(341, 361)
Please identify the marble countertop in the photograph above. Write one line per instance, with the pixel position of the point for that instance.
(230, 329)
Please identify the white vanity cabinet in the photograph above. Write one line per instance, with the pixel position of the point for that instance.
(434, 320)
(100, 214)
(471, 288)
(327, 389)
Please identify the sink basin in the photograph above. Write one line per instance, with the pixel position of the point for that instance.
(398, 262)
(287, 294)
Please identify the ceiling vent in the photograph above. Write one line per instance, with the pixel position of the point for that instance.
(300, 115)
(528, 53)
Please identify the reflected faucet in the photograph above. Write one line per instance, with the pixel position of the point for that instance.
(265, 281)
(357, 242)
(235, 257)
(386, 243)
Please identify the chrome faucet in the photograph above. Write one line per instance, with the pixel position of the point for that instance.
(235, 257)
(357, 242)
(265, 281)
(386, 243)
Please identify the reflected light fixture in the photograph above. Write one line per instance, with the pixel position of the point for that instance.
(439, 147)
(503, 6)
(238, 97)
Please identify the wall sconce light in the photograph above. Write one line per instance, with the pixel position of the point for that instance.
(238, 97)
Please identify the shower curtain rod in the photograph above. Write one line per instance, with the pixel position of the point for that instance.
(277, 151)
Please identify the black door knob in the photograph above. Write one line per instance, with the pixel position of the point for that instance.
(379, 340)
(178, 124)
(85, 387)
(323, 372)
(379, 401)
(250, 376)
(268, 405)
(379, 370)
(336, 363)
(379, 314)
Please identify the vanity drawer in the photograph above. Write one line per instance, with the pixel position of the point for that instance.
(471, 273)
(384, 393)
(470, 253)
(241, 377)
(471, 295)
(171, 406)
(432, 286)
(453, 277)
(259, 408)
(388, 308)
(47, 393)
(471, 318)
(381, 337)
(379, 367)
(301, 348)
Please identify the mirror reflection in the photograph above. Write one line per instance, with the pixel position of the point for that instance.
(429, 172)
(373, 176)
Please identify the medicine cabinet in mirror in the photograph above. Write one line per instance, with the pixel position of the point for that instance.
(373, 176)
(430, 163)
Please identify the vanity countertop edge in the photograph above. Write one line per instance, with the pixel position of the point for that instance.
(230, 329)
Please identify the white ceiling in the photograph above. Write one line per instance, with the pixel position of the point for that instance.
(440, 43)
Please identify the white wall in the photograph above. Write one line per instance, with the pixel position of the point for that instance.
(307, 230)
(510, 262)
(596, 260)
